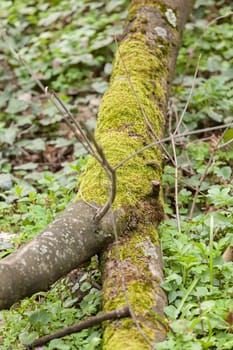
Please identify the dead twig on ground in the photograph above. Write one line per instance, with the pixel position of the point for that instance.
(116, 314)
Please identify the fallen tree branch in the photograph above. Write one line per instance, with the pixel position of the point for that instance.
(68, 241)
(111, 315)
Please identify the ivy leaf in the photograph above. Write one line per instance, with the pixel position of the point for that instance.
(15, 106)
(224, 172)
(26, 166)
(39, 317)
(9, 135)
(171, 312)
(33, 145)
(27, 338)
(100, 86)
(53, 17)
(5, 182)
(98, 44)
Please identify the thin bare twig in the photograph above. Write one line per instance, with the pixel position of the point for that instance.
(175, 163)
(167, 139)
(116, 314)
(76, 125)
(172, 134)
(176, 184)
(84, 200)
(225, 143)
(97, 152)
(203, 176)
(189, 96)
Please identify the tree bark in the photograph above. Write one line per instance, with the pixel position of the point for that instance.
(135, 104)
(67, 242)
(131, 116)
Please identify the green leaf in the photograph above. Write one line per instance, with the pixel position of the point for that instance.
(16, 106)
(58, 344)
(85, 286)
(27, 338)
(100, 86)
(53, 17)
(26, 166)
(4, 97)
(9, 135)
(228, 137)
(101, 43)
(24, 120)
(224, 172)
(214, 115)
(39, 317)
(171, 311)
(35, 145)
(6, 182)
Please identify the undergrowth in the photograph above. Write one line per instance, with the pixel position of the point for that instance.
(198, 281)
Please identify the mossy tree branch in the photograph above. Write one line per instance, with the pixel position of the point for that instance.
(132, 266)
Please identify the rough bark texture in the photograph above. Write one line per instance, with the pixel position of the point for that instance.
(133, 267)
(134, 104)
(67, 242)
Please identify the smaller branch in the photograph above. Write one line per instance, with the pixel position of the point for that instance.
(189, 96)
(116, 314)
(96, 152)
(167, 139)
(225, 143)
(68, 117)
(204, 175)
(84, 200)
(175, 163)
(176, 184)
(110, 171)
(101, 212)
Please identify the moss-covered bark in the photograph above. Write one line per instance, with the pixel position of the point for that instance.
(67, 242)
(134, 105)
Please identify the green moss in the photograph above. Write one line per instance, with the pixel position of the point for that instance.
(133, 178)
(136, 253)
(117, 334)
(122, 129)
(124, 337)
(135, 5)
(135, 250)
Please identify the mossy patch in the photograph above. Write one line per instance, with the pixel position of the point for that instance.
(133, 257)
(133, 178)
(121, 337)
(122, 129)
(118, 333)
